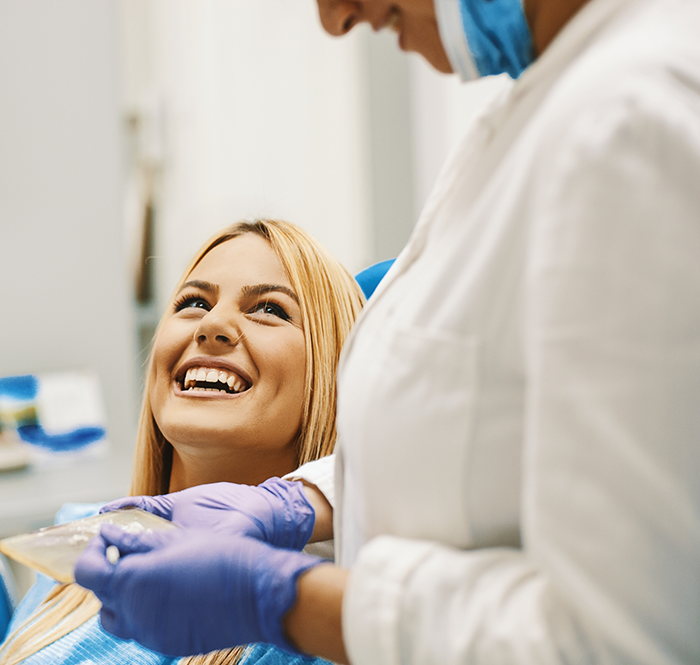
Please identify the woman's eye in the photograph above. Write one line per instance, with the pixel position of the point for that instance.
(271, 309)
(191, 302)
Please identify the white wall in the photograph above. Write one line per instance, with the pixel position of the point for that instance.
(62, 271)
(260, 115)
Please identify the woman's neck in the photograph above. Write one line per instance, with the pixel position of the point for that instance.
(248, 469)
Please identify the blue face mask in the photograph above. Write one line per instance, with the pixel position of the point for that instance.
(484, 37)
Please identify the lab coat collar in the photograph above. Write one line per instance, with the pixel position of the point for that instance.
(591, 22)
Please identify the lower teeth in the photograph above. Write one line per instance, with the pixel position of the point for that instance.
(218, 390)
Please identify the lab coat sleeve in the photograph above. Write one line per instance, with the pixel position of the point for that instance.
(608, 571)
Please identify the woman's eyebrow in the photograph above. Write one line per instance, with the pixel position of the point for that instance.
(199, 284)
(261, 289)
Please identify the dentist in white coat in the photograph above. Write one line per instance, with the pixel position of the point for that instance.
(518, 472)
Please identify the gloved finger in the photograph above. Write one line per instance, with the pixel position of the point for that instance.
(92, 570)
(158, 505)
(132, 543)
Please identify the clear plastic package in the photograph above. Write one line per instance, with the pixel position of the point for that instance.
(54, 550)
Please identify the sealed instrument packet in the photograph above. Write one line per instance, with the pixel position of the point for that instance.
(54, 550)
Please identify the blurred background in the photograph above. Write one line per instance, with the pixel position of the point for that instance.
(131, 130)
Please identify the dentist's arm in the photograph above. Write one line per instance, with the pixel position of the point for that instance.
(314, 624)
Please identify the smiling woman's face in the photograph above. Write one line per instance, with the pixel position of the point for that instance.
(227, 389)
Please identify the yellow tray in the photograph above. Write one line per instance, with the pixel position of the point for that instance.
(54, 550)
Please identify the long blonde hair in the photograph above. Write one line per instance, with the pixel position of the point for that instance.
(330, 300)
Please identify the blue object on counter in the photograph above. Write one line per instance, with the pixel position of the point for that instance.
(19, 387)
(74, 440)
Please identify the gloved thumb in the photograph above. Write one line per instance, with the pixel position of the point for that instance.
(92, 570)
(131, 543)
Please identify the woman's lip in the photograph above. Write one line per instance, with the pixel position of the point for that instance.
(214, 363)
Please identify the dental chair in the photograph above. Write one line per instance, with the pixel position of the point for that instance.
(8, 595)
(369, 278)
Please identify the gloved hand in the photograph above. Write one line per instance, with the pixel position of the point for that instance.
(188, 591)
(275, 511)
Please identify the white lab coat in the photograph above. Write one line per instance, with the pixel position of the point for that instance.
(518, 475)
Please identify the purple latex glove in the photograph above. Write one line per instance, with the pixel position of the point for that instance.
(188, 591)
(275, 511)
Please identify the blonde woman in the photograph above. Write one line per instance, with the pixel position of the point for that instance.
(240, 388)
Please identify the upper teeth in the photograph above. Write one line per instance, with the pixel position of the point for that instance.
(208, 375)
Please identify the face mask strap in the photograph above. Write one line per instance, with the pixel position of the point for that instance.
(449, 19)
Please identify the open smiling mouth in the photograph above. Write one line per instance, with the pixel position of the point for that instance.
(208, 379)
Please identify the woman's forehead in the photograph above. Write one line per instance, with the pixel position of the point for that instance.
(248, 259)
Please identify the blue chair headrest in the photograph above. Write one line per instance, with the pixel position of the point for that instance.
(369, 278)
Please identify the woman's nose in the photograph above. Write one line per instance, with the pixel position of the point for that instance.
(214, 328)
(338, 16)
